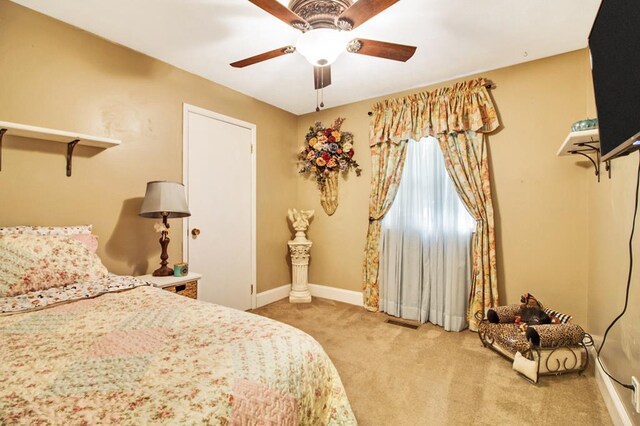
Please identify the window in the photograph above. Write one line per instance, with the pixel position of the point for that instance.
(425, 266)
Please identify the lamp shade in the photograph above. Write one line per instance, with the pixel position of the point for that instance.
(321, 46)
(164, 198)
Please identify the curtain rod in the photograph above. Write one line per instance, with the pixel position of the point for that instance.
(487, 86)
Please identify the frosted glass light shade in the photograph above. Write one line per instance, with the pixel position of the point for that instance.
(322, 46)
(164, 198)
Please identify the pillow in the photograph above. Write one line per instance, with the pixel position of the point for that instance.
(47, 230)
(551, 335)
(503, 314)
(38, 262)
(527, 367)
(562, 318)
(81, 233)
(90, 241)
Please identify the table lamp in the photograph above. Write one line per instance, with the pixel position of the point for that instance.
(164, 199)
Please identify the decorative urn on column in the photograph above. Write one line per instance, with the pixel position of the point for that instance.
(299, 248)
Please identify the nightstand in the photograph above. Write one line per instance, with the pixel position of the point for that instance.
(185, 286)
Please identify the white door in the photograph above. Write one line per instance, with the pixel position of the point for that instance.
(219, 175)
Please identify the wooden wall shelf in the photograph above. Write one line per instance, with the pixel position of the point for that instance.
(71, 139)
(576, 140)
(587, 144)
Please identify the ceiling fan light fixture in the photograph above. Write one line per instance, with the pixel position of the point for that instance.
(321, 46)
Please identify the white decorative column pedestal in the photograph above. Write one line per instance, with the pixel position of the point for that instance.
(300, 278)
(299, 249)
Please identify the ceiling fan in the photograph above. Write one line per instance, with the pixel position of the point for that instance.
(325, 25)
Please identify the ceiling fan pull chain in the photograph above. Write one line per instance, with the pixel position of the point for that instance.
(322, 88)
(317, 97)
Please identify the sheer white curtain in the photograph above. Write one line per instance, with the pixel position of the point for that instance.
(425, 266)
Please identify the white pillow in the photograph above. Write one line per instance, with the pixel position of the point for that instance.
(528, 368)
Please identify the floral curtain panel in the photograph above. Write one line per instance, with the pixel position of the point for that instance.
(465, 156)
(387, 161)
(464, 109)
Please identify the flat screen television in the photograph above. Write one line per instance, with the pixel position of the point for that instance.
(615, 64)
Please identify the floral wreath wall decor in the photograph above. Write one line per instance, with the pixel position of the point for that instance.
(328, 151)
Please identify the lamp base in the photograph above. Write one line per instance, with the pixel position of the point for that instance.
(163, 271)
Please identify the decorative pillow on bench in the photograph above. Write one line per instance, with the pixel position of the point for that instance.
(508, 314)
(562, 318)
(552, 335)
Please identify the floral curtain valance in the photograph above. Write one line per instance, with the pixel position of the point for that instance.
(464, 107)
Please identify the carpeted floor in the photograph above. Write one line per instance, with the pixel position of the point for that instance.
(398, 376)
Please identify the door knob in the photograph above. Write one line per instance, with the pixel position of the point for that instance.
(195, 232)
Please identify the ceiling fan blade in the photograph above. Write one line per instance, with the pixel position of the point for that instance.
(363, 10)
(381, 49)
(263, 57)
(281, 12)
(322, 76)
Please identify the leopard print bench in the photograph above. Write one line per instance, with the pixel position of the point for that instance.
(557, 348)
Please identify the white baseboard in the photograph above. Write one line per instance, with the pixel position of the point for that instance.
(338, 294)
(273, 295)
(618, 413)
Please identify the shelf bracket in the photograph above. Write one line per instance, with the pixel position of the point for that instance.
(70, 146)
(2, 132)
(590, 149)
(588, 157)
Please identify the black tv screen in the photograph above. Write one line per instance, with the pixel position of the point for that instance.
(615, 64)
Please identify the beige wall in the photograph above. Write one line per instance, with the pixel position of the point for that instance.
(54, 75)
(540, 199)
(611, 204)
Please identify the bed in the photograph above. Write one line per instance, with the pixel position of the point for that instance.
(114, 350)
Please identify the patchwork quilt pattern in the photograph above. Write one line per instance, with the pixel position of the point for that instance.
(147, 356)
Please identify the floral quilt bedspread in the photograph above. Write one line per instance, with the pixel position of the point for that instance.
(147, 356)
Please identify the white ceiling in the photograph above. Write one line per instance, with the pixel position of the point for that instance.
(454, 38)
